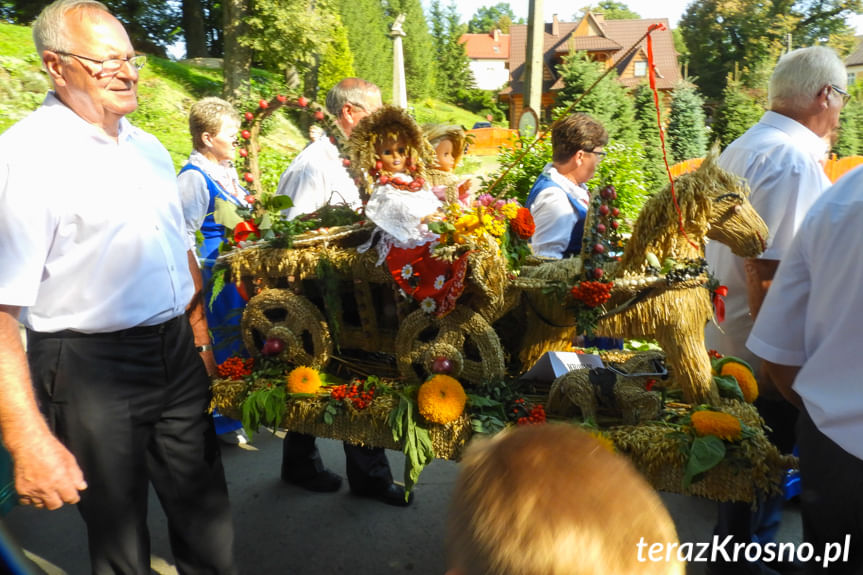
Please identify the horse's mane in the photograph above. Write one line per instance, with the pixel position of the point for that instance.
(657, 228)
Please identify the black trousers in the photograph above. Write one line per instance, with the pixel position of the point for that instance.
(131, 406)
(831, 497)
(367, 468)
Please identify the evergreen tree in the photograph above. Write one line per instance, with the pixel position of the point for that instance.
(337, 61)
(490, 18)
(738, 111)
(452, 75)
(608, 102)
(417, 45)
(369, 42)
(648, 129)
(850, 123)
(687, 137)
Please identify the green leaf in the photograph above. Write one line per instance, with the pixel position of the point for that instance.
(225, 213)
(266, 222)
(728, 386)
(279, 203)
(705, 454)
(481, 401)
(218, 280)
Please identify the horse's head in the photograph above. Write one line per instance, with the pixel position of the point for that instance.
(733, 221)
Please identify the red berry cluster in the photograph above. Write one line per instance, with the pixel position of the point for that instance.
(357, 393)
(592, 293)
(236, 368)
(535, 415)
(714, 354)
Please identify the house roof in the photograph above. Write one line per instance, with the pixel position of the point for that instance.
(855, 58)
(486, 46)
(615, 36)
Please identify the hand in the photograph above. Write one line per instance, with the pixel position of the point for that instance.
(210, 363)
(46, 473)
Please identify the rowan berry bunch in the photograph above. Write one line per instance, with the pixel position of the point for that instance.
(235, 368)
(592, 293)
(525, 414)
(359, 393)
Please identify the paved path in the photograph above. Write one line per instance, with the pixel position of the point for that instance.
(285, 530)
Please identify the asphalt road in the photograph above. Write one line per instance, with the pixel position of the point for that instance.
(281, 529)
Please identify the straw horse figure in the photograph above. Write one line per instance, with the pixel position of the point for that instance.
(713, 204)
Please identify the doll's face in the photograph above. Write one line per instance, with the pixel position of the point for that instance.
(392, 152)
(445, 159)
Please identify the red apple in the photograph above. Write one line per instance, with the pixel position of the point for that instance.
(249, 177)
(600, 228)
(319, 115)
(598, 248)
(263, 104)
(282, 99)
(441, 365)
(615, 212)
(273, 346)
(246, 134)
(603, 210)
(614, 224)
(597, 273)
(346, 162)
(244, 152)
(249, 116)
(302, 102)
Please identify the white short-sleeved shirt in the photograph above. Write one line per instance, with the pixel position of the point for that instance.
(554, 215)
(91, 229)
(316, 178)
(779, 158)
(813, 311)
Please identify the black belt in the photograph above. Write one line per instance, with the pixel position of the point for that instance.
(137, 331)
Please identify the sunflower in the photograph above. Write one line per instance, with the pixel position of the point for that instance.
(441, 399)
(745, 379)
(603, 441)
(303, 380)
(722, 425)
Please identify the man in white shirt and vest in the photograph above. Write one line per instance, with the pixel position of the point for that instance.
(780, 157)
(96, 265)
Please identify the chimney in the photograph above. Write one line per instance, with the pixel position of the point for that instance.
(555, 25)
(496, 35)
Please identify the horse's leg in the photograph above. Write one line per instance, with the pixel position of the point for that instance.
(687, 357)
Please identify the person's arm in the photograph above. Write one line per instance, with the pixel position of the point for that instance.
(759, 276)
(782, 378)
(195, 198)
(46, 473)
(198, 317)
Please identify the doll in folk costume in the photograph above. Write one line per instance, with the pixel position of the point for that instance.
(389, 148)
(448, 141)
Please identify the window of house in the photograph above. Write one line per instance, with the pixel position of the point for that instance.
(851, 78)
(640, 69)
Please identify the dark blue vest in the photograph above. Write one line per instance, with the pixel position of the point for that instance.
(543, 182)
(214, 234)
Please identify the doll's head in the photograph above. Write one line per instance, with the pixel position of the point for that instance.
(448, 142)
(386, 142)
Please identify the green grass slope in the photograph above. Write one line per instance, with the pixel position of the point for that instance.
(166, 90)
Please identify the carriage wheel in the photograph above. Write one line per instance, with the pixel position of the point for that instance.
(281, 314)
(463, 337)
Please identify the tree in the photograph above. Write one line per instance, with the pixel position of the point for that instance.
(611, 9)
(751, 34)
(850, 134)
(490, 18)
(453, 74)
(648, 129)
(369, 41)
(418, 47)
(687, 137)
(607, 102)
(337, 61)
(738, 112)
(238, 56)
(195, 33)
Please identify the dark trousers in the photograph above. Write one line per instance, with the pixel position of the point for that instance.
(760, 525)
(131, 406)
(367, 468)
(831, 499)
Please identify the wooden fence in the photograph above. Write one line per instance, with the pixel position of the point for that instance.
(834, 167)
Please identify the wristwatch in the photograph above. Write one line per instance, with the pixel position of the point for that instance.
(205, 347)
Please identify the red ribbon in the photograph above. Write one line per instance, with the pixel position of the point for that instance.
(244, 229)
(719, 303)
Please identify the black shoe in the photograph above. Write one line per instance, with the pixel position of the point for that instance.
(392, 494)
(325, 481)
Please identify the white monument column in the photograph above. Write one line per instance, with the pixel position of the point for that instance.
(400, 94)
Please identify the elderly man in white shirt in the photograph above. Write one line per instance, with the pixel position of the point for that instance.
(808, 333)
(96, 265)
(780, 158)
(559, 199)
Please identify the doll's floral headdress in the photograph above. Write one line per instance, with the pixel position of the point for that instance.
(388, 122)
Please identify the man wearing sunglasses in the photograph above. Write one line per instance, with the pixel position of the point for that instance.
(780, 157)
(559, 199)
(97, 266)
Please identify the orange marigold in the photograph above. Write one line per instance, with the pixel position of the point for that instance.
(722, 425)
(441, 399)
(522, 224)
(303, 380)
(745, 379)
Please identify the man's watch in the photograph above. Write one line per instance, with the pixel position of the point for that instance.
(205, 347)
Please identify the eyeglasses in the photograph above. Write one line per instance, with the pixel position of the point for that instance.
(843, 93)
(111, 65)
(597, 153)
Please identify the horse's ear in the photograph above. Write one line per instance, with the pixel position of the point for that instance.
(712, 155)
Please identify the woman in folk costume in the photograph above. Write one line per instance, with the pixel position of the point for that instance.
(208, 178)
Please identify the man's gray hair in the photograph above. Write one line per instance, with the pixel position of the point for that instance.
(350, 91)
(49, 29)
(801, 73)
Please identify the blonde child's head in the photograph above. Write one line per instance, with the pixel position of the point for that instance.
(552, 500)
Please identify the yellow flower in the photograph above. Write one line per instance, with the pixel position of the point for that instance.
(466, 224)
(510, 210)
(745, 379)
(303, 380)
(722, 425)
(604, 441)
(441, 399)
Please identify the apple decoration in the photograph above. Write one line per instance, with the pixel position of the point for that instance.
(603, 210)
(600, 228)
(246, 134)
(302, 102)
(249, 116)
(281, 98)
(597, 273)
(249, 177)
(441, 365)
(244, 152)
(319, 115)
(263, 104)
(273, 346)
(615, 212)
